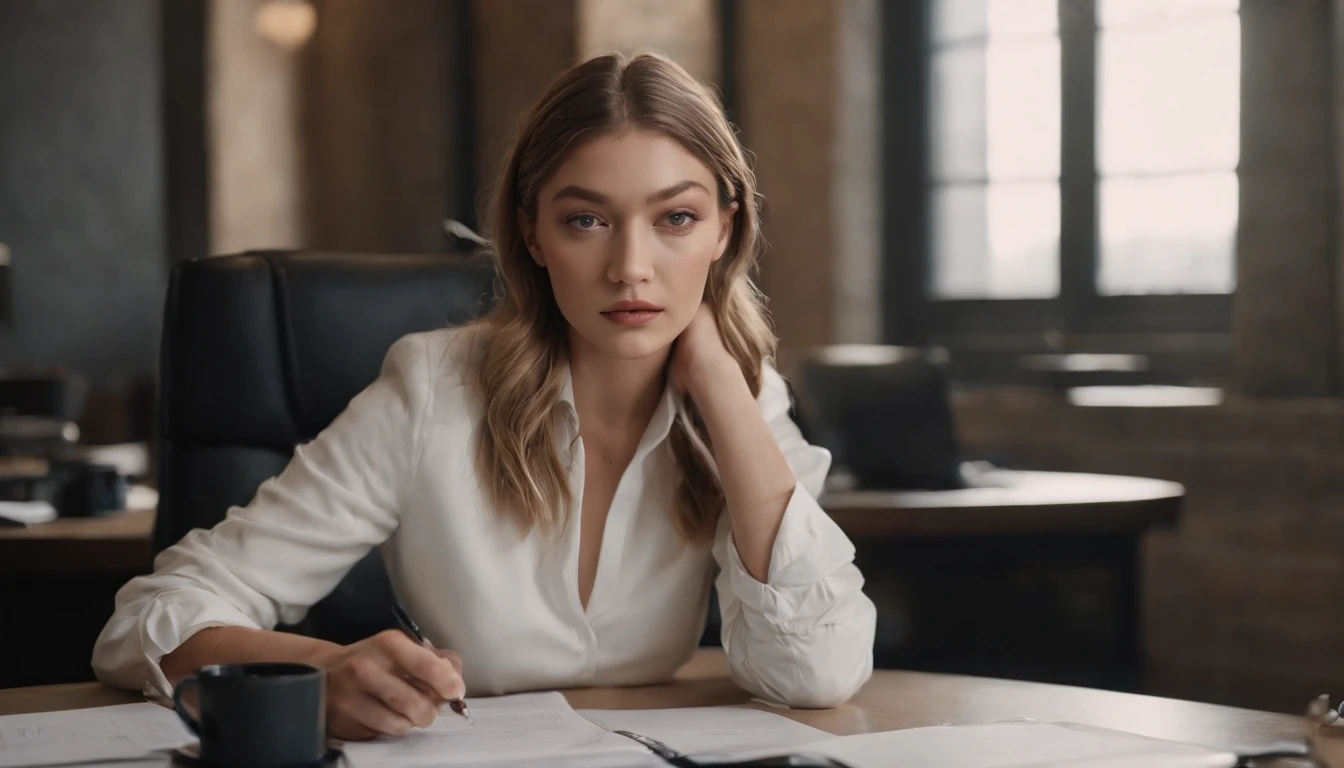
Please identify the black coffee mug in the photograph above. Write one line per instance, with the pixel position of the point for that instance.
(264, 715)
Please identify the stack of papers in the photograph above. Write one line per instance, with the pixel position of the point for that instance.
(92, 736)
(1017, 744)
(711, 733)
(541, 729)
(26, 512)
(521, 730)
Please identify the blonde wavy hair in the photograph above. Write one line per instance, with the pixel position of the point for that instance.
(523, 341)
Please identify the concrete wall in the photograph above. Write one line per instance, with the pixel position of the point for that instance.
(81, 186)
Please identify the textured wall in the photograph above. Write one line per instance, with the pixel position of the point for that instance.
(808, 93)
(1284, 332)
(685, 30)
(789, 70)
(256, 194)
(857, 195)
(81, 185)
(381, 125)
(521, 45)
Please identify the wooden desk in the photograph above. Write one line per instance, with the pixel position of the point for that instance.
(117, 543)
(1011, 502)
(890, 701)
(64, 575)
(1028, 575)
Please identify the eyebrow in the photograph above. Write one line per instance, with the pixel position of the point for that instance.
(581, 193)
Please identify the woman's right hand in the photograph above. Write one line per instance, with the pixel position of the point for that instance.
(386, 685)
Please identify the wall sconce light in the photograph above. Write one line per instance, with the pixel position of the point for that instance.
(287, 23)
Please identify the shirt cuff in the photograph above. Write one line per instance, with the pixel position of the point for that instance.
(808, 549)
(168, 624)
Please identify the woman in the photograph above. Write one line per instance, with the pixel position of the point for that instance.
(542, 482)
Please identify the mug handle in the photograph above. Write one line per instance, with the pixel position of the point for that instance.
(187, 683)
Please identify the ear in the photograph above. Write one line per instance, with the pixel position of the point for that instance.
(726, 219)
(528, 228)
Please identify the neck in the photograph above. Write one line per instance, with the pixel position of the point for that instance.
(614, 394)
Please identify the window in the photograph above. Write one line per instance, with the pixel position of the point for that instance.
(994, 124)
(1061, 170)
(1167, 145)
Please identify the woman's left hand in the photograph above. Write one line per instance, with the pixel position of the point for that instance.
(699, 353)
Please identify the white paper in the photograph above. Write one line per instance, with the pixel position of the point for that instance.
(710, 731)
(90, 735)
(523, 730)
(27, 512)
(1016, 744)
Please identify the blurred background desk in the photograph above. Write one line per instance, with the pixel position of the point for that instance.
(1012, 502)
(115, 543)
(1027, 575)
(58, 581)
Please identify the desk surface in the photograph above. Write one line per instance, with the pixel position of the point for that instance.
(1007, 502)
(117, 543)
(890, 701)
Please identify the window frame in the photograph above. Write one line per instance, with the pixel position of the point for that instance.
(1079, 319)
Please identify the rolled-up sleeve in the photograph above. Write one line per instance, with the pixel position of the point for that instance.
(804, 638)
(270, 561)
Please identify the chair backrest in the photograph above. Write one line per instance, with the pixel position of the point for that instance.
(261, 351)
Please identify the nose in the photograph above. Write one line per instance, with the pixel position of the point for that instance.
(631, 258)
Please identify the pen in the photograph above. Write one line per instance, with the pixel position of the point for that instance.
(412, 630)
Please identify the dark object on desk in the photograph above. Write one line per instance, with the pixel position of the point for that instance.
(265, 715)
(75, 487)
(261, 351)
(85, 489)
(38, 411)
(51, 394)
(884, 414)
(675, 758)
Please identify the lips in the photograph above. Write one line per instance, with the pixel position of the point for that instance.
(632, 312)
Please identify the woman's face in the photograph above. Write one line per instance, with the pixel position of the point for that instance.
(627, 229)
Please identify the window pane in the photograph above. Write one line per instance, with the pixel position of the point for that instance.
(1023, 110)
(957, 114)
(955, 21)
(1022, 18)
(1168, 234)
(995, 112)
(998, 241)
(1170, 97)
(1113, 12)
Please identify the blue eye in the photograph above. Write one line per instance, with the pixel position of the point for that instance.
(680, 218)
(584, 221)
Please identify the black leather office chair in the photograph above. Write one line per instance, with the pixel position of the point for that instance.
(261, 351)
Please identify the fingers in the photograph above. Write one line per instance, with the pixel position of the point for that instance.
(416, 708)
(426, 665)
(452, 657)
(344, 727)
(367, 714)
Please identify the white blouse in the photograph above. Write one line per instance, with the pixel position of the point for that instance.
(396, 470)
